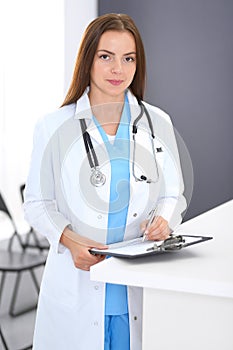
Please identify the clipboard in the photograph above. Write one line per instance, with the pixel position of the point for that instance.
(136, 248)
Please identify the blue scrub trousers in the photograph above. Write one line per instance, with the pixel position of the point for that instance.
(117, 332)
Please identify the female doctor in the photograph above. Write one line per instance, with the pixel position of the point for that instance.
(78, 208)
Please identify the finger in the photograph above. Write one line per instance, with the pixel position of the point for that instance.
(100, 256)
(84, 257)
(87, 265)
(86, 268)
(156, 223)
(95, 258)
(161, 232)
(161, 235)
(156, 226)
(160, 229)
(143, 226)
(149, 230)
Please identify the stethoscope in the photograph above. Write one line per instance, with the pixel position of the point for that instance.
(97, 178)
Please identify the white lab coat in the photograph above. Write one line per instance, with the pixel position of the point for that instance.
(58, 193)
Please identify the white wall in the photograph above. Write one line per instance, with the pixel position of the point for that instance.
(39, 47)
(78, 14)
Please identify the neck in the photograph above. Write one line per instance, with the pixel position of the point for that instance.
(108, 113)
(108, 116)
(97, 98)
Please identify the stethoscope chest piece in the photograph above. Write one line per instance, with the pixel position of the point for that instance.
(97, 178)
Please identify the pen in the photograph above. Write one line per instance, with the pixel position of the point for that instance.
(151, 218)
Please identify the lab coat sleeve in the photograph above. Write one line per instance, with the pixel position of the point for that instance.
(40, 207)
(172, 203)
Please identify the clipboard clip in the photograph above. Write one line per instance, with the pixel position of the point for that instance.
(171, 243)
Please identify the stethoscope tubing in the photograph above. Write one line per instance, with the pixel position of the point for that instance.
(94, 163)
(92, 157)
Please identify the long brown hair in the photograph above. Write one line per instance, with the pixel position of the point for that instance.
(87, 50)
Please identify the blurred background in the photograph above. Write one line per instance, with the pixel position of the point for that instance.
(189, 48)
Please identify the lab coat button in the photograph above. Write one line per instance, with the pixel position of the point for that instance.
(96, 287)
(96, 323)
(135, 214)
(135, 318)
(99, 216)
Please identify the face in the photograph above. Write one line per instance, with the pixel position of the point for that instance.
(113, 67)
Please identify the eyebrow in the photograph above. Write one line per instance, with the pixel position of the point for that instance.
(112, 53)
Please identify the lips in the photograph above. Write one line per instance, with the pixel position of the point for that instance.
(115, 82)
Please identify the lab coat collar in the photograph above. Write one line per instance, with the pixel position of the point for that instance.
(83, 107)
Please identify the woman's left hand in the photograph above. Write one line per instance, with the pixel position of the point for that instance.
(158, 230)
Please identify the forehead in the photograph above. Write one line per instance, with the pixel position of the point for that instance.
(113, 40)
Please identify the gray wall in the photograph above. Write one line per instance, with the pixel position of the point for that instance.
(189, 47)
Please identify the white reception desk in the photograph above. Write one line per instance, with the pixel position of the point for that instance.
(187, 295)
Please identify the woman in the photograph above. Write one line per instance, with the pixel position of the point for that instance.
(77, 212)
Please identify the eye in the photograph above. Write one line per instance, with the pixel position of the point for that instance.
(104, 57)
(129, 59)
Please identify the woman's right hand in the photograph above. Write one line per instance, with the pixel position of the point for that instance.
(79, 247)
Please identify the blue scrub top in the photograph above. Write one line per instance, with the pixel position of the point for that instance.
(116, 302)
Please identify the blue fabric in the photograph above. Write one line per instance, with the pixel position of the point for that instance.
(117, 334)
(116, 302)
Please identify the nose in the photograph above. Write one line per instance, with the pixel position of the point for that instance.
(116, 66)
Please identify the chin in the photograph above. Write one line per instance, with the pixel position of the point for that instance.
(117, 91)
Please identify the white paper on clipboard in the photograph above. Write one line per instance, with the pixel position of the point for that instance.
(136, 247)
